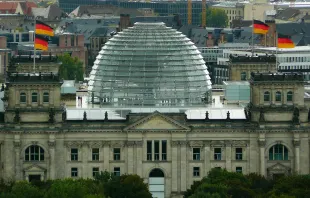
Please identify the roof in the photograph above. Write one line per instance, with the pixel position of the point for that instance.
(287, 14)
(52, 12)
(299, 32)
(103, 10)
(27, 7)
(4, 5)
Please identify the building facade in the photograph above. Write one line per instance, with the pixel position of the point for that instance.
(38, 142)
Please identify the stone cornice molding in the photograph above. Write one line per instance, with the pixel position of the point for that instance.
(181, 143)
(71, 144)
(196, 143)
(120, 144)
(217, 143)
(95, 144)
(134, 143)
(240, 143)
(228, 143)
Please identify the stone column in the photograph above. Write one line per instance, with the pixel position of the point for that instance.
(130, 157)
(207, 157)
(139, 158)
(228, 154)
(183, 165)
(297, 156)
(262, 168)
(17, 160)
(174, 167)
(51, 145)
(106, 156)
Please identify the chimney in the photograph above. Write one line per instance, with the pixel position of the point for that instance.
(210, 40)
(124, 22)
(270, 37)
(222, 37)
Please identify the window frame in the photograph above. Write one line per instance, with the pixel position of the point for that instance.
(196, 171)
(278, 97)
(34, 95)
(278, 152)
(289, 94)
(117, 171)
(95, 172)
(74, 156)
(46, 95)
(74, 172)
(217, 155)
(115, 154)
(196, 154)
(239, 169)
(22, 94)
(34, 153)
(239, 155)
(266, 94)
(243, 76)
(95, 155)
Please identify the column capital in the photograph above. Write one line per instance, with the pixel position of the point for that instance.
(16, 144)
(261, 143)
(130, 143)
(196, 143)
(296, 143)
(139, 143)
(51, 144)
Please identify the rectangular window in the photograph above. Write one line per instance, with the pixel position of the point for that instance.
(74, 154)
(95, 154)
(117, 171)
(74, 172)
(196, 153)
(238, 153)
(149, 150)
(22, 98)
(164, 150)
(217, 154)
(117, 154)
(156, 154)
(239, 169)
(196, 171)
(46, 97)
(34, 97)
(95, 171)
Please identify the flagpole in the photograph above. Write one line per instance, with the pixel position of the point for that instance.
(252, 36)
(34, 46)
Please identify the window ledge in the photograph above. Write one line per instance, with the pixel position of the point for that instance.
(117, 161)
(196, 161)
(74, 161)
(218, 160)
(156, 161)
(238, 160)
(95, 161)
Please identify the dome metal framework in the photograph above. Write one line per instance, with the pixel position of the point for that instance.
(150, 64)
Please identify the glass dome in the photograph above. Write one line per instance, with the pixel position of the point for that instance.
(150, 64)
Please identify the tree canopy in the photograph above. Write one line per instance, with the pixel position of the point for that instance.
(223, 184)
(70, 68)
(104, 185)
(216, 18)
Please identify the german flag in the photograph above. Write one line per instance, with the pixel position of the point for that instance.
(260, 27)
(43, 29)
(285, 41)
(41, 42)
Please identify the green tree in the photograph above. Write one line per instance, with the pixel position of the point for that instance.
(129, 186)
(67, 188)
(216, 18)
(70, 68)
(23, 189)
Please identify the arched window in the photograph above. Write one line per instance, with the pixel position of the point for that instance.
(34, 97)
(34, 153)
(278, 152)
(278, 96)
(266, 96)
(22, 97)
(289, 96)
(243, 75)
(46, 97)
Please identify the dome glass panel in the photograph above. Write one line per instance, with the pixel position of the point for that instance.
(150, 64)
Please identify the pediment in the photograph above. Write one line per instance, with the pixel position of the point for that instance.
(278, 167)
(157, 122)
(34, 168)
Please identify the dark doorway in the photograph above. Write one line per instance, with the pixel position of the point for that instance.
(277, 176)
(156, 173)
(34, 178)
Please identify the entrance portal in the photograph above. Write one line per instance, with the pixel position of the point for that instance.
(157, 183)
(34, 178)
